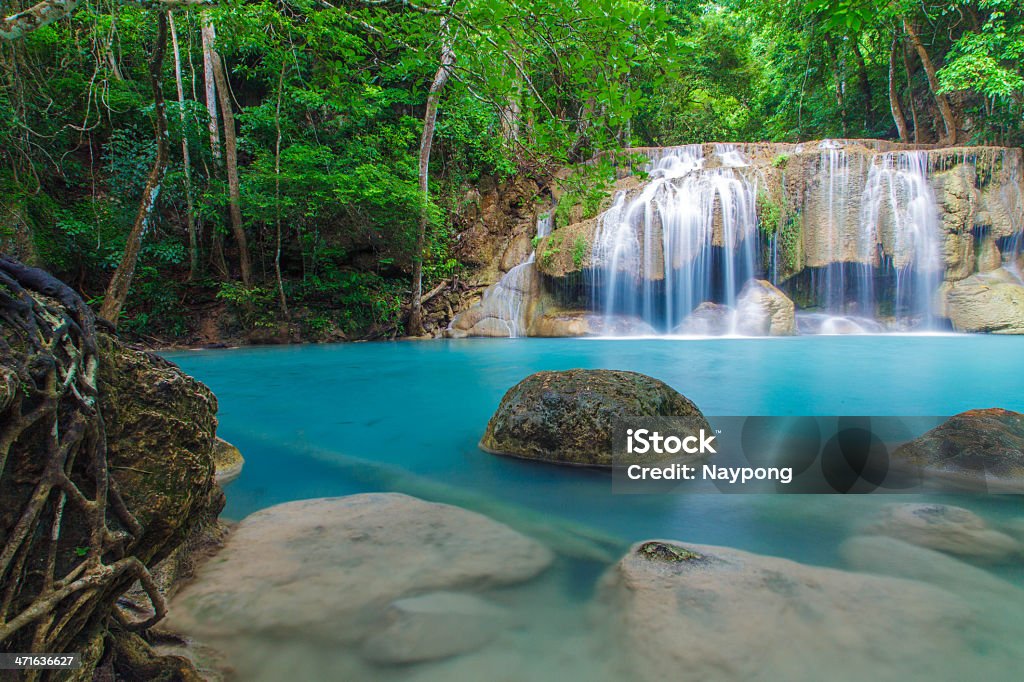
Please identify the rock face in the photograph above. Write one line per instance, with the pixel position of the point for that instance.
(577, 323)
(343, 570)
(763, 310)
(991, 302)
(948, 529)
(723, 614)
(505, 308)
(978, 449)
(148, 448)
(568, 417)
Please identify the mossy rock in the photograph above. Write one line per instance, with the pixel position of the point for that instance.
(667, 553)
(568, 417)
(979, 450)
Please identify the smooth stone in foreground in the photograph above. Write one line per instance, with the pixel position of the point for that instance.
(329, 568)
(568, 417)
(948, 529)
(719, 614)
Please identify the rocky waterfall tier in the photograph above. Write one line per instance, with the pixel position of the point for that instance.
(861, 235)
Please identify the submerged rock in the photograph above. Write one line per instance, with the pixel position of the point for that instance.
(332, 569)
(228, 460)
(568, 417)
(998, 602)
(708, 319)
(682, 611)
(948, 529)
(763, 310)
(979, 450)
(433, 626)
(578, 323)
(823, 323)
(990, 302)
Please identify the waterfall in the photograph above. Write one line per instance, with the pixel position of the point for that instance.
(688, 236)
(505, 305)
(899, 199)
(510, 296)
(871, 238)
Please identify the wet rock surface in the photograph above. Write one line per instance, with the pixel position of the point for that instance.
(980, 450)
(717, 613)
(990, 302)
(568, 417)
(945, 528)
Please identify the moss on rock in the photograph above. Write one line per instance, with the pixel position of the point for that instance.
(568, 417)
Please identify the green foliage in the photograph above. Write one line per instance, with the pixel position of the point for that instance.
(790, 241)
(769, 214)
(552, 247)
(329, 101)
(586, 188)
(254, 306)
(579, 251)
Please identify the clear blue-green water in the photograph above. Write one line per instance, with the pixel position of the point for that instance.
(330, 420)
(324, 420)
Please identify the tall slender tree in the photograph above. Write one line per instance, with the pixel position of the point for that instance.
(120, 283)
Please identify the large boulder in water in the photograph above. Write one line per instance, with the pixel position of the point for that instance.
(990, 302)
(338, 569)
(568, 417)
(720, 614)
(763, 310)
(978, 450)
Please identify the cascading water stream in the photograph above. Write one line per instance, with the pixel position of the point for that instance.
(899, 199)
(508, 299)
(688, 236)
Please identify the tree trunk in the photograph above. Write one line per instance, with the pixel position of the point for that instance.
(948, 120)
(277, 195)
(415, 326)
(231, 164)
(117, 290)
(193, 241)
(209, 35)
(865, 85)
(894, 96)
(910, 93)
(840, 83)
(20, 24)
(510, 115)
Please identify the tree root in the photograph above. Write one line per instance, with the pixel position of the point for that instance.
(69, 547)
